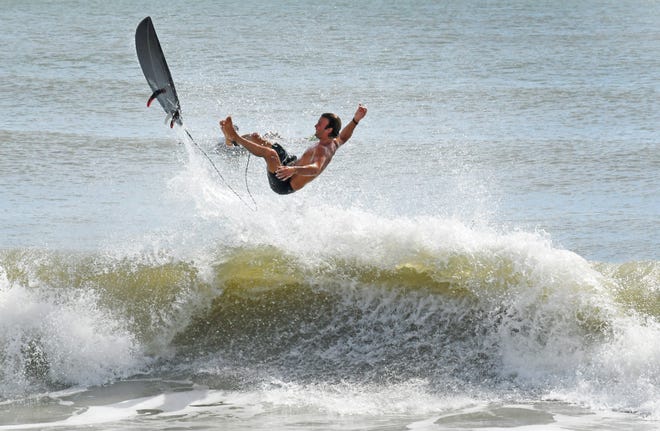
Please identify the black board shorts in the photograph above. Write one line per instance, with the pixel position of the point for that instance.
(281, 187)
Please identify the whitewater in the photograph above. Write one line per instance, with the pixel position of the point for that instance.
(483, 253)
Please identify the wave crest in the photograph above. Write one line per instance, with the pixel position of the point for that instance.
(512, 313)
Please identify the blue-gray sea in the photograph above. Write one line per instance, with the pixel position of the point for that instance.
(484, 254)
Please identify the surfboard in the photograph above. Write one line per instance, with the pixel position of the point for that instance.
(152, 60)
(153, 64)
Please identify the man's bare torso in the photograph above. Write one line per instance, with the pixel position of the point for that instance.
(311, 154)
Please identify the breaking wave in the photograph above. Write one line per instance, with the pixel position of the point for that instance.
(463, 310)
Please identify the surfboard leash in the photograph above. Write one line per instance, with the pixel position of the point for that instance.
(201, 150)
(175, 118)
(247, 186)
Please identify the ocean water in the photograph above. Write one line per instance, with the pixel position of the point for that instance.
(483, 254)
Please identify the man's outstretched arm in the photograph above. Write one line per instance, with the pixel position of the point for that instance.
(348, 129)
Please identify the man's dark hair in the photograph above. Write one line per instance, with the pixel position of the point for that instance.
(333, 121)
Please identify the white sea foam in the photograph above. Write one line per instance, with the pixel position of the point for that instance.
(62, 337)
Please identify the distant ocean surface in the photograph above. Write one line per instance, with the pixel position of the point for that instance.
(483, 254)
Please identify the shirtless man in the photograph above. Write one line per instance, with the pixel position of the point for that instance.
(287, 174)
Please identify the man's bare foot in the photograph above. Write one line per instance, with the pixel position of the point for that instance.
(229, 131)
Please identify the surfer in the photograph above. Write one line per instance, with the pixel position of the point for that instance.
(287, 173)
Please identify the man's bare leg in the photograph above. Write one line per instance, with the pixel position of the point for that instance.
(254, 137)
(260, 148)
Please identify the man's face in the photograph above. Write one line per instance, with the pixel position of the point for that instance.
(322, 128)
